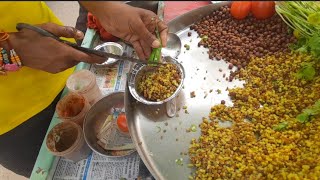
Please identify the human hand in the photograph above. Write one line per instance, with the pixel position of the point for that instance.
(47, 54)
(134, 25)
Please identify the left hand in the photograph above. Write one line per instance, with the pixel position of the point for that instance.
(134, 25)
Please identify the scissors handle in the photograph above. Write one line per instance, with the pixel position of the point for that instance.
(82, 49)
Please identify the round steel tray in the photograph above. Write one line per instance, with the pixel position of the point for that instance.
(161, 140)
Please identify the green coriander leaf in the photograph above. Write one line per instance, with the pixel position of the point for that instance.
(303, 118)
(300, 46)
(302, 49)
(317, 106)
(281, 126)
(306, 72)
(309, 112)
(314, 45)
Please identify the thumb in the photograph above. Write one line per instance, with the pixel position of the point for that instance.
(63, 31)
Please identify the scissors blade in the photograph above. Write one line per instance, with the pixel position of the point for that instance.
(105, 54)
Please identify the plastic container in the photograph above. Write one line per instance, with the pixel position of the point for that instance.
(84, 82)
(73, 107)
(66, 140)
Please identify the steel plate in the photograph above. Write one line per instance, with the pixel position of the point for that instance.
(160, 140)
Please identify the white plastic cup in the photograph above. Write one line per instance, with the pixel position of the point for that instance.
(84, 82)
(76, 105)
(66, 140)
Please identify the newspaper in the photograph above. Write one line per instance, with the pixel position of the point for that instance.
(110, 138)
(112, 78)
(97, 167)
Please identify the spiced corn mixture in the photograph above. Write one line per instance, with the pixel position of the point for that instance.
(161, 83)
(254, 147)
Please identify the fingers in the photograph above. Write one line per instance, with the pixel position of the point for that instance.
(63, 31)
(137, 46)
(163, 29)
(146, 49)
(150, 19)
(140, 29)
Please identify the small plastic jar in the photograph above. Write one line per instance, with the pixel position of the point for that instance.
(84, 82)
(73, 107)
(66, 140)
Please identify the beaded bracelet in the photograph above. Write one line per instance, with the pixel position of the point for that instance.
(6, 64)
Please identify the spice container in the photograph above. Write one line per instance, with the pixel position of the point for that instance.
(73, 107)
(66, 140)
(84, 82)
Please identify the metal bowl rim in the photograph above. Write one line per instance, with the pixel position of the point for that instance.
(85, 120)
(135, 94)
(106, 63)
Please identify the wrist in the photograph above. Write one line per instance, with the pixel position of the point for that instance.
(10, 61)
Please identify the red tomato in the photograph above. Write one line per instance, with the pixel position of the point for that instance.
(240, 9)
(122, 123)
(263, 9)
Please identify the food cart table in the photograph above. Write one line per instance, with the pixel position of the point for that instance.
(95, 166)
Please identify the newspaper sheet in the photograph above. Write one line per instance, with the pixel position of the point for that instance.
(97, 167)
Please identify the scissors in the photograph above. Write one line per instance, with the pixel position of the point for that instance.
(75, 46)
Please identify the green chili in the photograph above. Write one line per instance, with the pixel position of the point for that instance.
(156, 52)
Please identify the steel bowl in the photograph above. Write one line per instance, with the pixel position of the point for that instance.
(110, 47)
(135, 76)
(96, 117)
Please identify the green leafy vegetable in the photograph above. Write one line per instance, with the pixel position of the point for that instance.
(307, 71)
(281, 126)
(314, 44)
(306, 115)
(304, 18)
(300, 15)
(314, 18)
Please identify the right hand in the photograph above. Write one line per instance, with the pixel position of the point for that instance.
(134, 25)
(47, 54)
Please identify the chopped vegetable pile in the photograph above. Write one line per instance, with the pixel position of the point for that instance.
(279, 139)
